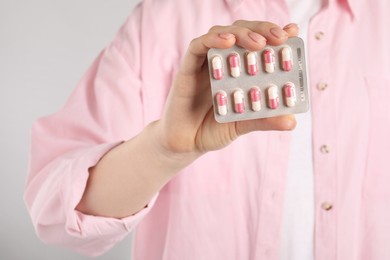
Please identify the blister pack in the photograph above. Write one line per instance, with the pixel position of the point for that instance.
(258, 84)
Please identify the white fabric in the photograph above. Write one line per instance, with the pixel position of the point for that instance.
(297, 241)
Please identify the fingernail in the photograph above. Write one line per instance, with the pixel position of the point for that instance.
(226, 36)
(278, 33)
(256, 37)
(288, 26)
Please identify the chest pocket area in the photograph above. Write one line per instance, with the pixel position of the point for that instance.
(378, 156)
(379, 147)
(376, 185)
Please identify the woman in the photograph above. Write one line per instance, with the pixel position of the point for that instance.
(124, 153)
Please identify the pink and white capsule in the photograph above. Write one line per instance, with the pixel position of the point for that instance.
(255, 99)
(251, 59)
(234, 63)
(217, 67)
(221, 100)
(287, 59)
(290, 96)
(239, 102)
(273, 97)
(269, 60)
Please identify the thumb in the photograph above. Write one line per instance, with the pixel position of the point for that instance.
(280, 123)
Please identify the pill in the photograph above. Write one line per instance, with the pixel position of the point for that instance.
(234, 63)
(220, 97)
(252, 63)
(269, 60)
(287, 60)
(217, 67)
(255, 99)
(273, 97)
(290, 97)
(239, 102)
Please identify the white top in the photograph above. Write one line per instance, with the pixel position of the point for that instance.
(297, 241)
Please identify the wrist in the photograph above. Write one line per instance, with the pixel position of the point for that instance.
(172, 153)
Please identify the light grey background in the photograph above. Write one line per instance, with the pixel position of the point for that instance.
(45, 48)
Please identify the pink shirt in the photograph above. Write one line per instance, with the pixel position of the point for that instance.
(229, 203)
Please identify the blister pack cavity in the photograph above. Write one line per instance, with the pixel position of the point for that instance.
(258, 84)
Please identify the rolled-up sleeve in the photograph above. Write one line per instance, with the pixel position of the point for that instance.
(105, 109)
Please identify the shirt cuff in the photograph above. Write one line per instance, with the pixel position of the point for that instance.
(73, 186)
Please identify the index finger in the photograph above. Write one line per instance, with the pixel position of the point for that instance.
(198, 48)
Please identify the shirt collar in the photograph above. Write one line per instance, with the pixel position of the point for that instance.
(353, 5)
(233, 4)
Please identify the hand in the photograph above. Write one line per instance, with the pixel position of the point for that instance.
(188, 124)
(128, 176)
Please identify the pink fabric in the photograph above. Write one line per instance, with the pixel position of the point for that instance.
(228, 204)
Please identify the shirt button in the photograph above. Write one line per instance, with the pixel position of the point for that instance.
(322, 86)
(319, 35)
(324, 149)
(326, 206)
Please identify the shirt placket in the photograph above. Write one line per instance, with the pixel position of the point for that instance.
(324, 135)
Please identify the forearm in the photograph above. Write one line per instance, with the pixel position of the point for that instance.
(128, 176)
